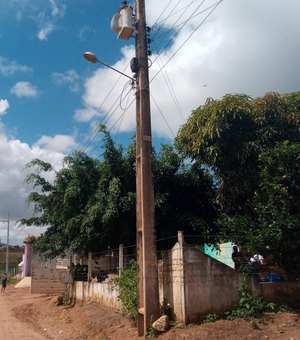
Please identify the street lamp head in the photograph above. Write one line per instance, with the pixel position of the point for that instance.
(91, 57)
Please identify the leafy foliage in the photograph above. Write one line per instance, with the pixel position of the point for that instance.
(127, 283)
(92, 203)
(251, 306)
(252, 148)
(211, 317)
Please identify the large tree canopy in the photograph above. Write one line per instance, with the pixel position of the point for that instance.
(92, 203)
(252, 147)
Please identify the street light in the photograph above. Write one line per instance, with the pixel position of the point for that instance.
(92, 58)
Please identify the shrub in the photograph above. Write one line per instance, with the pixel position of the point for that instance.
(127, 283)
(250, 306)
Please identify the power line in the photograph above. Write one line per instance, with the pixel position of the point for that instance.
(186, 40)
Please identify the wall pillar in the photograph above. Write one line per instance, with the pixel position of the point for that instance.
(182, 276)
(121, 258)
(27, 260)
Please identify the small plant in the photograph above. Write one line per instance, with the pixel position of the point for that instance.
(251, 306)
(151, 332)
(211, 317)
(127, 283)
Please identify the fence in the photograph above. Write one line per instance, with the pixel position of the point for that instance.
(194, 284)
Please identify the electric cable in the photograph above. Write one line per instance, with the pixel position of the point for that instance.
(186, 40)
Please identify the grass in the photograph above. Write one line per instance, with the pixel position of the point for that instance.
(14, 258)
(12, 281)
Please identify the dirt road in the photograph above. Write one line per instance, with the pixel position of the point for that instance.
(37, 317)
(11, 327)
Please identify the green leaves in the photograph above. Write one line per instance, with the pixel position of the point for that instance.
(252, 147)
(127, 283)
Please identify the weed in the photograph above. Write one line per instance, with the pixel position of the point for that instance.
(211, 317)
(251, 306)
(151, 332)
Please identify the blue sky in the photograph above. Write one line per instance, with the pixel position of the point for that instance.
(51, 99)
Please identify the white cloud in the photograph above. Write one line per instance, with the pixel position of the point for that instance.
(69, 78)
(4, 105)
(84, 33)
(10, 67)
(48, 23)
(55, 10)
(45, 30)
(85, 115)
(14, 155)
(24, 89)
(58, 143)
(240, 48)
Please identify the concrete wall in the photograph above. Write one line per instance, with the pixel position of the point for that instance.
(47, 281)
(209, 285)
(194, 284)
(46, 277)
(100, 292)
(287, 293)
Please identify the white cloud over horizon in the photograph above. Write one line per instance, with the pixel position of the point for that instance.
(14, 155)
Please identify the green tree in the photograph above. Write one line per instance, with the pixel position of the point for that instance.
(92, 203)
(250, 146)
(184, 197)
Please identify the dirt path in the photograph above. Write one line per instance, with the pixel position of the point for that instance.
(11, 327)
(37, 317)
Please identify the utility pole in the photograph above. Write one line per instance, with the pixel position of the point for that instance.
(7, 244)
(148, 300)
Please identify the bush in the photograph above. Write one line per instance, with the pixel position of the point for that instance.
(127, 283)
(250, 306)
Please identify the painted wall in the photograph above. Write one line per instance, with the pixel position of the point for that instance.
(26, 259)
(222, 254)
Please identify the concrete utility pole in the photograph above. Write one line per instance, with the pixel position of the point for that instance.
(7, 244)
(148, 300)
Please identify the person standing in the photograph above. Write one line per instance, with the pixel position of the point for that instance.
(4, 282)
(236, 257)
